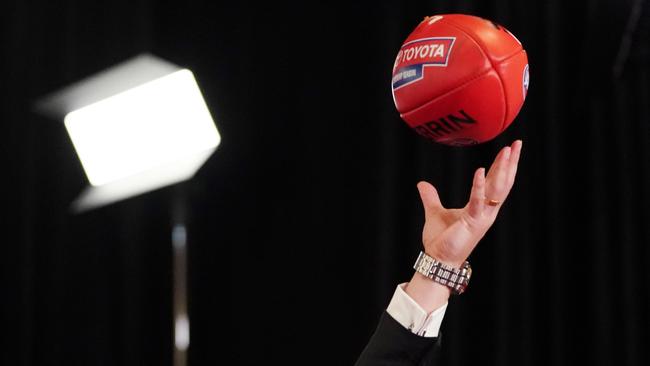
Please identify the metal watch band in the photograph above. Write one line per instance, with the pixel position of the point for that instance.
(456, 279)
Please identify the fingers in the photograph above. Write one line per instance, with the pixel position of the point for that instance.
(514, 162)
(500, 163)
(501, 175)
(429, 197)
(477, 195)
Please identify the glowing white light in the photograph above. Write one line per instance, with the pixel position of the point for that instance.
(142, 129)
(179, 236)
(182, 332)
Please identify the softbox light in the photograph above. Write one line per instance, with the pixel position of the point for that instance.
(136, 127)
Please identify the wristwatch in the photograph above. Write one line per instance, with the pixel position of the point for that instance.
(456, 279)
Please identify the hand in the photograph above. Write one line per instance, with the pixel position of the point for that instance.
(450, 234)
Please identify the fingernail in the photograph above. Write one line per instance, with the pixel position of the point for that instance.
(506, 152)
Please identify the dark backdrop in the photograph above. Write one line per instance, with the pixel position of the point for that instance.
(307, 216)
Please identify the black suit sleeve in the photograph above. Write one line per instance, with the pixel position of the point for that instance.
(394, 345)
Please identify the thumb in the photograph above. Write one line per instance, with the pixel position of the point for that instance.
(429, 197)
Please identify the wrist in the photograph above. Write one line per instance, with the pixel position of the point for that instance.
(456, 279)
(445, 259)
(428, 294)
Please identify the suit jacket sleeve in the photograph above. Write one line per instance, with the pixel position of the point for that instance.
(394, 345)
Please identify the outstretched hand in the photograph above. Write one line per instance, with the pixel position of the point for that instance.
(450, 235)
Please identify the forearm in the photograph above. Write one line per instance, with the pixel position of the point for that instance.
(394, 345)
(427, 293)
(407, 335)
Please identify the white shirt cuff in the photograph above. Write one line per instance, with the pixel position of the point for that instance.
(411, 316)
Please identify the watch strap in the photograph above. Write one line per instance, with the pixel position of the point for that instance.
(456, 279)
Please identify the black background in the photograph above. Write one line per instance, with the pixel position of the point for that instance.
(307, 216)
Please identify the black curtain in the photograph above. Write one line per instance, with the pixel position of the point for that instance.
(307, 217)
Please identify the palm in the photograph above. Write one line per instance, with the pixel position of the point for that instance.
(438, 222)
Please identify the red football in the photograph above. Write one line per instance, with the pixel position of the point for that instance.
(460, 79)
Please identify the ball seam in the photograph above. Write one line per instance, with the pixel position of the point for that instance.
(455, 89)
(480, 46)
